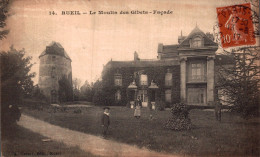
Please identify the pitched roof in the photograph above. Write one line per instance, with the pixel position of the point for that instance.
(143, 63)
(197, 31)
(57, 49)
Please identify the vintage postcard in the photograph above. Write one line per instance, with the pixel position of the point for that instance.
(140, 78)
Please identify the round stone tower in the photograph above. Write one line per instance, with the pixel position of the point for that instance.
(54, 64)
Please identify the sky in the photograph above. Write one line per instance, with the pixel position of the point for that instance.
(93, 40)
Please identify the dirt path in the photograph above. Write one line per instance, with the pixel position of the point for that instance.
(89, 143)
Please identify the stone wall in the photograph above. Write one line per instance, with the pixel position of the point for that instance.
(157, 74)
(52, 69)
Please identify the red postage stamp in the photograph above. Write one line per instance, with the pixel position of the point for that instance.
(236, 25)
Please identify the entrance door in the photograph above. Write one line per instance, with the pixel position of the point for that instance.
(197, 96)
(144, 97)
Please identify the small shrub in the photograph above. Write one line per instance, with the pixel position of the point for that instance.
(180, 118)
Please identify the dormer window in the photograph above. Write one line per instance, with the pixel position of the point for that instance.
(196, 42)
(118, 80)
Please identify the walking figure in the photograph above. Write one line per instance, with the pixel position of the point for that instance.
(105, 121)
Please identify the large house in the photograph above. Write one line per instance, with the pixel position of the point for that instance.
(184, 72)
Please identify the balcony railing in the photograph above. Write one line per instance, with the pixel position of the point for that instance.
(197, 79)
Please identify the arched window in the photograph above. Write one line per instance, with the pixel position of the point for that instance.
(196, 42)
(168, 95)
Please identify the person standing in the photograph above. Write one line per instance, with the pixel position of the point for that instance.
(105, 121)
(218, 110)
(137, 113)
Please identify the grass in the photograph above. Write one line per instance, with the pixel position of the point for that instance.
(21, 142)
(232, 137)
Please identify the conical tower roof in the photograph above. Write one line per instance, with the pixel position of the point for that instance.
(55, 48)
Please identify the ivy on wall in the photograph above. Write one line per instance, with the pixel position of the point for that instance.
(157, 74)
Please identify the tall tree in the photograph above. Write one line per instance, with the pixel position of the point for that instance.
(76, 88)
(240, 83)
(86, 91)
(16, 83)
(4, 6)
(16, 79)
(65, 90)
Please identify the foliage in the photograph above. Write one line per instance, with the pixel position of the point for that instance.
(16, 79)
(180, 118)
(37, 94)
(155, 73)
(86, 92)
(16, 83)
(76, 89)
(160, 105)
(65, 90)
(4, 6)
(239, 83)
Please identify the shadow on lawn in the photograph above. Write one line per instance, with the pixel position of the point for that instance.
(18, 141)
(207, 137)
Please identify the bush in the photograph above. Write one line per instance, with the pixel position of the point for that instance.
(160, 105)
(10, 115)
(180, 118)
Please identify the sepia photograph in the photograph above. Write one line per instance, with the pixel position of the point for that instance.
(139, 78)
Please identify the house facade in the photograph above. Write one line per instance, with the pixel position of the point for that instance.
(54, 64)
(184, 72)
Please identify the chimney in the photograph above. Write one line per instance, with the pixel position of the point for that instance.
(181, 38)
(210, 36)
(136, 58)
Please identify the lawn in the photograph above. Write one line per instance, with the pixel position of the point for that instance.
(232, 137)
(22, 142)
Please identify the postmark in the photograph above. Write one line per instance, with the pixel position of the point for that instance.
(236, 25)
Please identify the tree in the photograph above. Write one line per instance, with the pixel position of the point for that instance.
(16, 83)
(76, 88)
(76, 83)
(4, 6)
(240, 82)
(86, 91)
(16, 79)
(65, 90)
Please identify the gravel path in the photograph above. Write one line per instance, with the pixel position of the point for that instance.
(89, 143)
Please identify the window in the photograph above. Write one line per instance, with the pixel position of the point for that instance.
(197, 95)
(168, 79)
(118, 95)
(197, 72)
(168, 96)
(53, 58)
(118, 80)
(143, 80)
(53, 72)
(196, 42)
